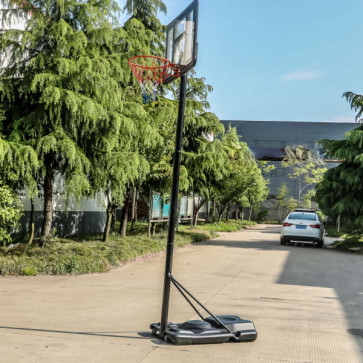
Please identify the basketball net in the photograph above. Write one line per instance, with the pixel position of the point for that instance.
(151, 71)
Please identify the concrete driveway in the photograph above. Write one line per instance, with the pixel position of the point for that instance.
(307, 304)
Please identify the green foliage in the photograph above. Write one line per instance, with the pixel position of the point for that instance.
(223, 226)
(70, 84)
(242, 181)
(307, 198)
(321, 215)
(203, 154)
(10, 213)
(291, 204)
(262, 215)
(88, 254)
(340, 193)
(349, 242)
(76, 103)
(282, 199)
(146, 12)
(307, 168)
(70, 106)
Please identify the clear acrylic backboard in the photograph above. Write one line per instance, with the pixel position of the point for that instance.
(181, 40)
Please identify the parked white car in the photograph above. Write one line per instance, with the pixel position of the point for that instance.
(302, 225)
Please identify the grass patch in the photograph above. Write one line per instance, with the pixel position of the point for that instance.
(223, 226)
(88, 254)
(332, 231)
(354, 240)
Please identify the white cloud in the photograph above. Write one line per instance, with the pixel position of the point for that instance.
(302, 76)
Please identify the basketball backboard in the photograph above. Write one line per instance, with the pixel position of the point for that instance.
(181, 40)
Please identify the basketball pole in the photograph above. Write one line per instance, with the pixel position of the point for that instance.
(173, 206)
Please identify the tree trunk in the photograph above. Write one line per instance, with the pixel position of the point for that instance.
(150, 213)
(227, 212)
(214, 209)
(338, 224)
(48, 198)
(107, 229)
(207, 211)
(237, 212)
(113, 223)
(124, 216)
(196, 213)
(30, 241)
(191, 221)
(249, 218)
(220, 217)
(31, 236)
(135, 214)
(133, 208)
(220, 213)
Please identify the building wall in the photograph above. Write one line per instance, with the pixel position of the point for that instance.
(267, 140)
(7, 22)
(86, 216)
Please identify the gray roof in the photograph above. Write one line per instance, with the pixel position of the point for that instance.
(268, 138)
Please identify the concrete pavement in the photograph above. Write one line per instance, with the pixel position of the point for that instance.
(307, 304)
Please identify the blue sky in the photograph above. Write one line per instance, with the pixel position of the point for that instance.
(286, 60)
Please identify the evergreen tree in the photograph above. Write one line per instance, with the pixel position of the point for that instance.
(340, 193)
(203, 152)
(62, 91)
(146, 12)
(243, 183)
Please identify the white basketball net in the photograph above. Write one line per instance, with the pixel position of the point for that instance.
(150, 71)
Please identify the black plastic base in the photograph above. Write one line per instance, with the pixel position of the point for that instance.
(208, 331)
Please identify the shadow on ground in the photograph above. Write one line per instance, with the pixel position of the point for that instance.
(325, 268)
(116, 334)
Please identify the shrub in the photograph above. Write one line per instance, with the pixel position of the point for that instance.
(262, 215)
(10, 213)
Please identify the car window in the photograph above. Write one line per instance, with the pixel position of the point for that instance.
(303, 216)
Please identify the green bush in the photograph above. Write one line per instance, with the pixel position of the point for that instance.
(88, 254)
(29, 271)
(262, 215)
(10, 213)
(321, 215)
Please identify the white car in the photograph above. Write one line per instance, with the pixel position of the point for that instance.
(302, 225)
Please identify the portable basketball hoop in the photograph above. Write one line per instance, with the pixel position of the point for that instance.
(151, 71)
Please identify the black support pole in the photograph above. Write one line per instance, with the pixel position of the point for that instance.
(173, 206)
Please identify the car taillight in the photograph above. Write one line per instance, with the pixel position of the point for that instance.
(285, 224)
(315, 226)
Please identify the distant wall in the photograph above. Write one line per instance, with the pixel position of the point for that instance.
(67, 223)
(69, 215)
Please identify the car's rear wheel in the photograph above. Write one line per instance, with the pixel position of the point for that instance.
(320, 244)
(282, 241)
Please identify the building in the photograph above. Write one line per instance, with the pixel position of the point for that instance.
(268, 139)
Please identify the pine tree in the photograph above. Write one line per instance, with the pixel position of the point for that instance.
(340, 193)
(146, 12)
(243, 182)
(203, 153)
(62, 91)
